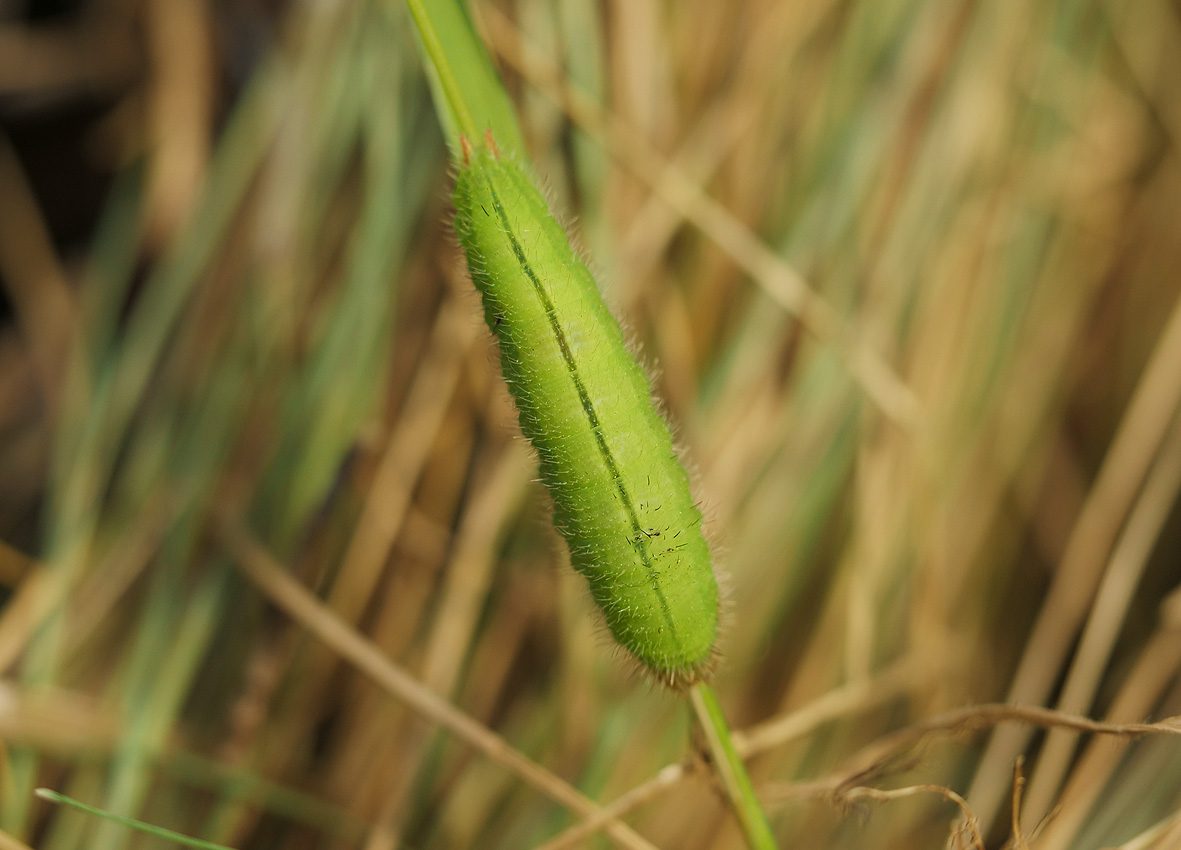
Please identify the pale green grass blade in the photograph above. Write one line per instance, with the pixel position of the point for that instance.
(469, 97)
(131, 823)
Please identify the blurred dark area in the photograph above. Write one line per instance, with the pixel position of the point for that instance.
(76, 103)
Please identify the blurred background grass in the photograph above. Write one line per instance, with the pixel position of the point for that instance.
(947, 476)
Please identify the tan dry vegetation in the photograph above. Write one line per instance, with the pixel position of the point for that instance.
(275, 567)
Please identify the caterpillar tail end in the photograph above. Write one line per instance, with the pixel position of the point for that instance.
(490, 143)
(466, 149)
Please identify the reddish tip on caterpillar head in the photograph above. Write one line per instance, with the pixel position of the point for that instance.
(491, 144)
(465, 148)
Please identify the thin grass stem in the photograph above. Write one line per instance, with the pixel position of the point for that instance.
(731, 769)
(447, 81)
(131, 823)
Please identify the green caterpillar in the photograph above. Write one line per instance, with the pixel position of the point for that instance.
(621, 497)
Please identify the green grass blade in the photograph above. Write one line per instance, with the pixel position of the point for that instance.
(131, 823)
(469, 97)
(731, 769)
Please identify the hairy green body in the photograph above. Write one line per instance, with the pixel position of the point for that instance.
(621, 497)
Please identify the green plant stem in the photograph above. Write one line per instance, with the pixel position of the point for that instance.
(130, 823)
(731, 769)
(438, 58)
(469, 96)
